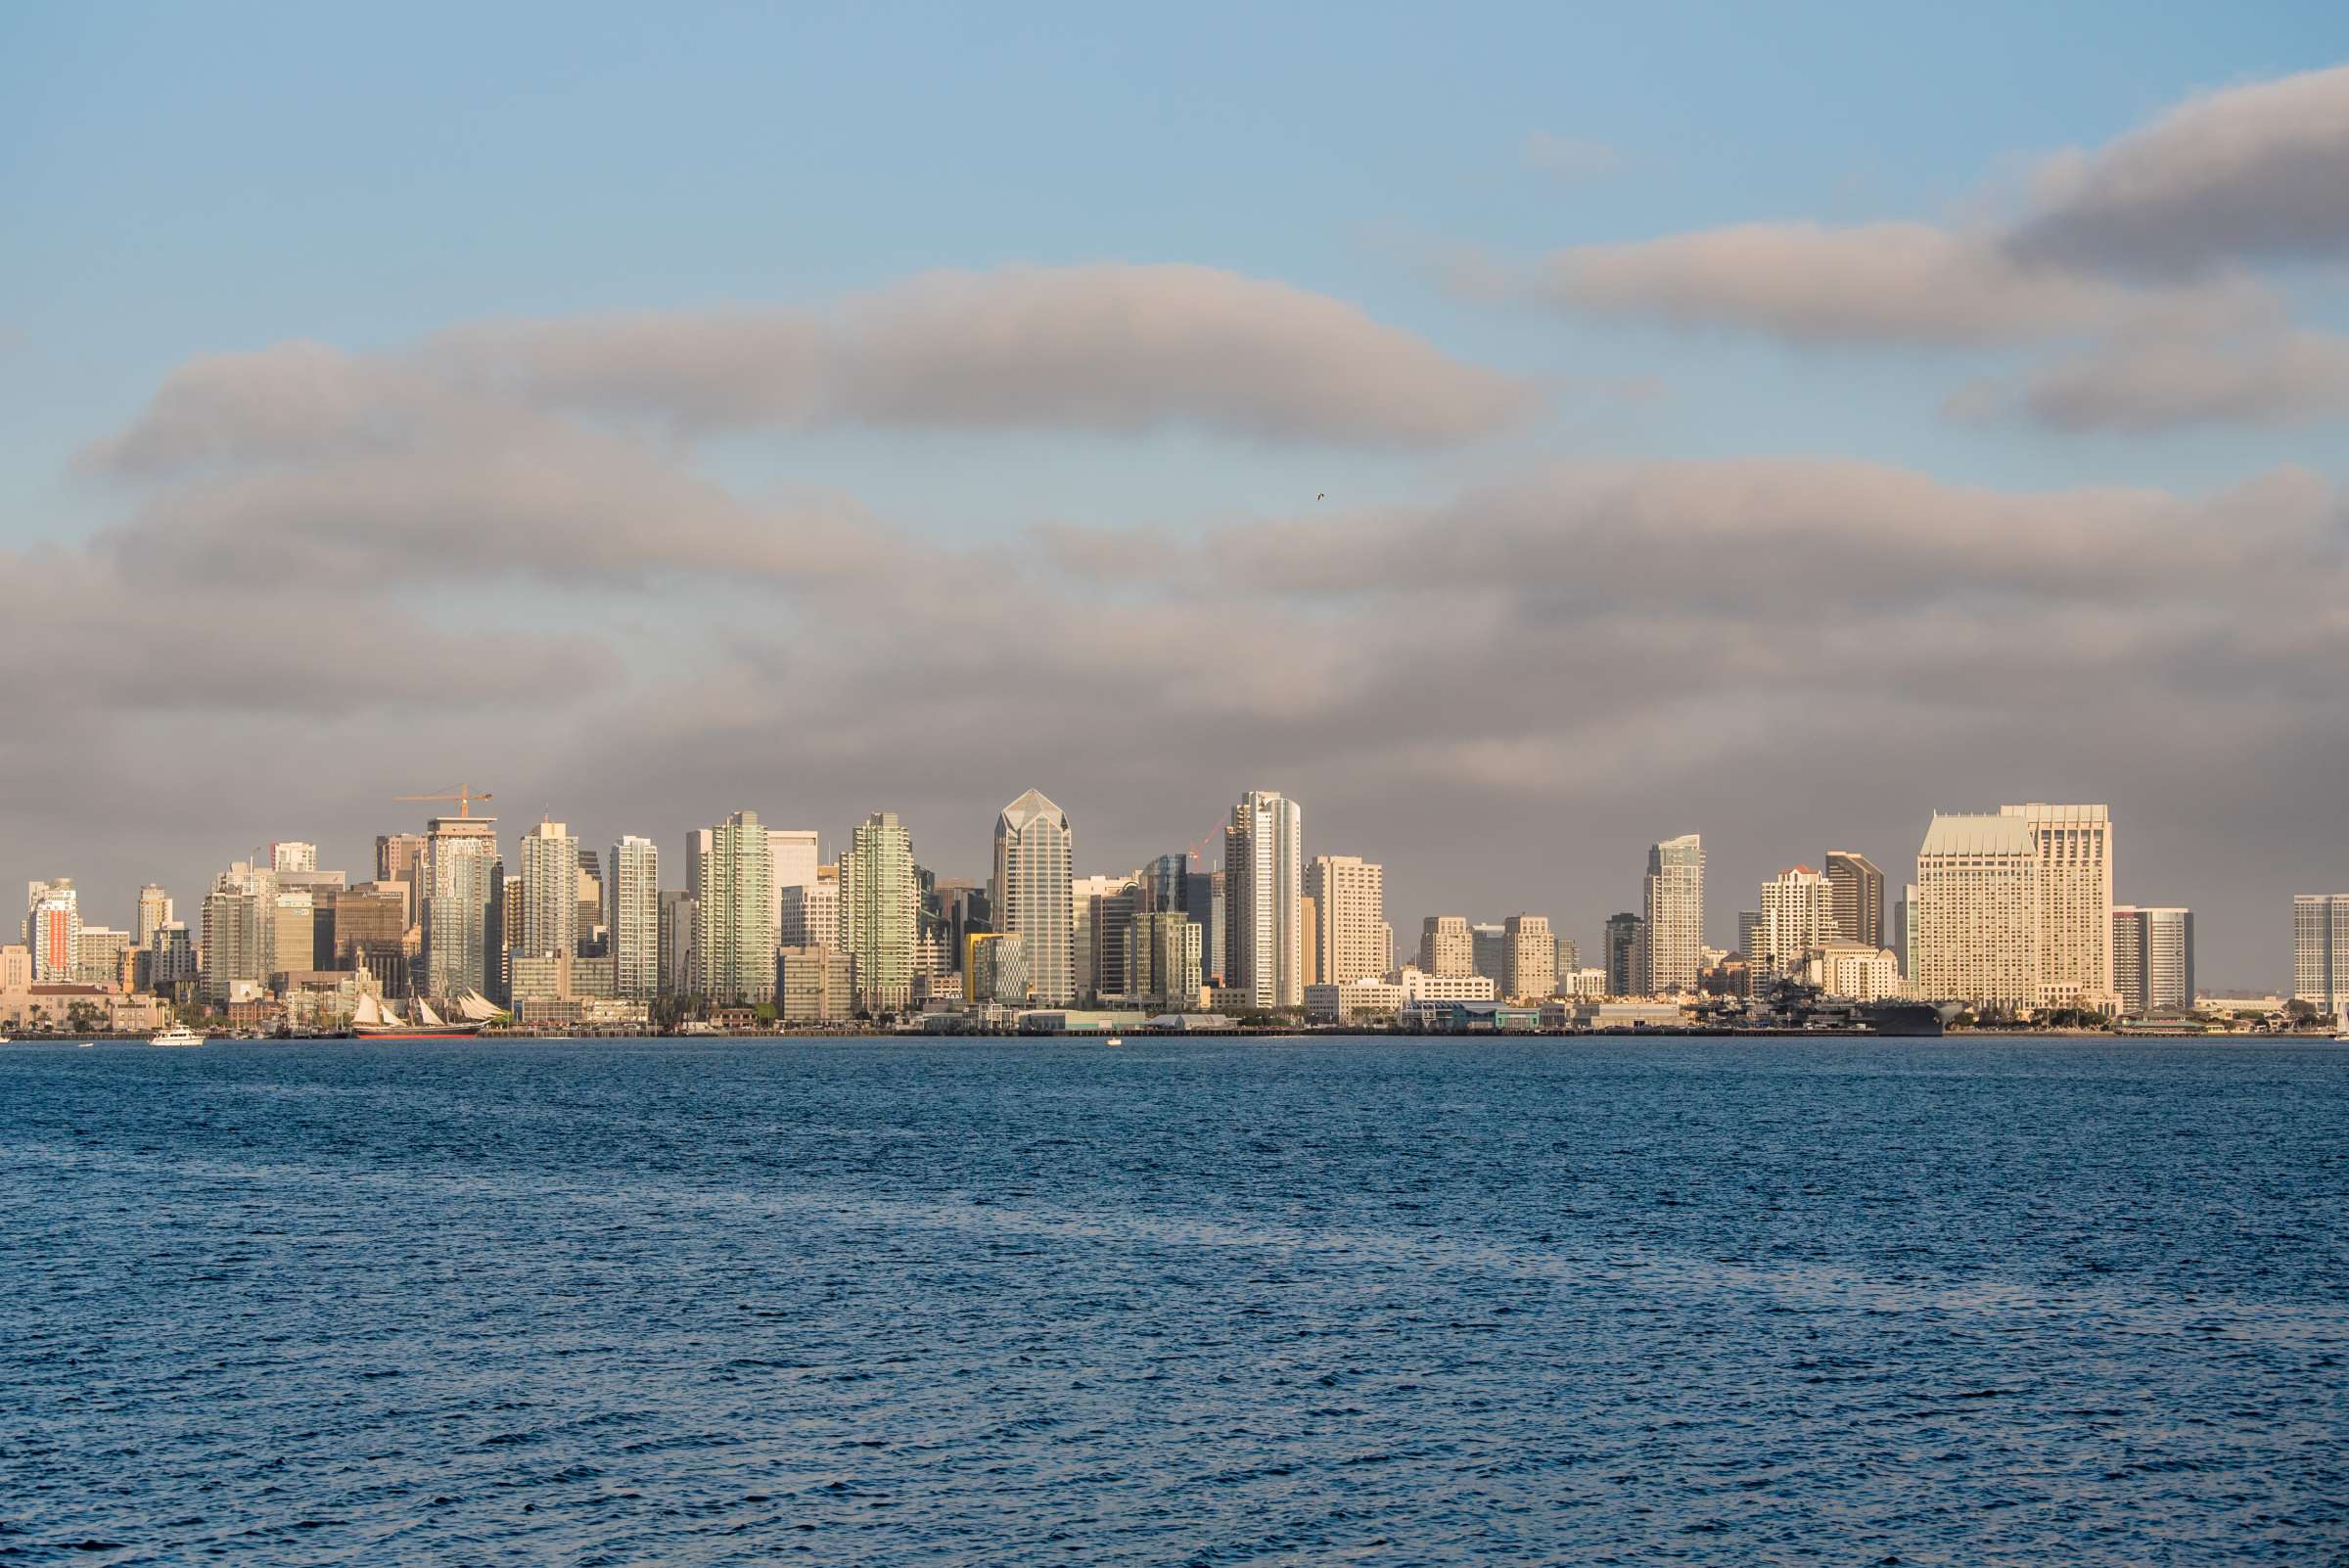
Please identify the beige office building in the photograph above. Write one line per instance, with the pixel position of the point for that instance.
(2074, 846)
(1529, 956)
(1446, 946)
(1350, 919)
(1977, 911)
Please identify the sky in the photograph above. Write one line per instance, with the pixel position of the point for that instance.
(1517, 434)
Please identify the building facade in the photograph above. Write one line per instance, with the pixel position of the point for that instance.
(1264, 871)
(1797, 914)
(1030, 894)
(734, 935)
(1675, 916)
(1977, 911)
(2153, 959)
(549, 901)
(1529, 956)
(879, 907)
(2074, 845)
(1858, 897)
(632, 918)
(1446, 946)
(1349, 918)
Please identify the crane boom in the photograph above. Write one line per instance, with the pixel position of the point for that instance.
(464, 794)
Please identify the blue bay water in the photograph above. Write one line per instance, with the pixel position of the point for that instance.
(1230, 1302)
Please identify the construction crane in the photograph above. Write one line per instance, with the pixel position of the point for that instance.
(463, 795)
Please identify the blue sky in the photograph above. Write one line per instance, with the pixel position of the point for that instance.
(188, 191)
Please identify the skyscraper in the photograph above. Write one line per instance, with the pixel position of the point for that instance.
(1030, 894)
(293, 855)
(155, 914)
(1674, 923)
(1903, 931)
(1858, 897)
(1446, 946)
(1977, 911)
(463, 878)
(2321, 951)
(550, 893)
(878, 906)
(1531, 956)
(2074, 845)
(734, 931)
(53, 930)
(236, 933)
(1627, 956)
(1350, 917)
(632, 918)
(1797, 914)
(1264, 875)
(2153, 959)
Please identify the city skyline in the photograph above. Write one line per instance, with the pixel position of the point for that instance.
(1796, 905)
(1576, 464)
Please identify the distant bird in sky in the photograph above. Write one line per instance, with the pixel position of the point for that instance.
(1320, 496)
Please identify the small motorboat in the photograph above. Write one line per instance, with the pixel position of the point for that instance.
(176, 1035)
(1114, 1041)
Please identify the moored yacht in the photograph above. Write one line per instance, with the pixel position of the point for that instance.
(176, 1035)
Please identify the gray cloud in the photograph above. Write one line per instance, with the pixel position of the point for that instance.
(2159, 383)
(2141, 249)
(2256, 172)
(1108, 348)
(1880, 283)
(1569, 661)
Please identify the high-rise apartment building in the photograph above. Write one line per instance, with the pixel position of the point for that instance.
(464, 928)
(1675, 920)
(1530, 955)
(879, 906)
(632, 918)
(1977, 911)
(2321, 951)
(1264, 871)
(155, 914)
(734, 931)
(1030, 894)
(1627, 956)
(293, 855)
(237, 933)
(1445, 948)
(550, 893)
(1349, 918)
(1858, 897)
(2074, 845)
(53, 930)
(1797, 916)
(2153, 959)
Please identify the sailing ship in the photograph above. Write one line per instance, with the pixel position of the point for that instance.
(376, 1019)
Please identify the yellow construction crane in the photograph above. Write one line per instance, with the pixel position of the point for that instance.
(463, 795)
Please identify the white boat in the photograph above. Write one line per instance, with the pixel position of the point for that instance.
(176, 1035)
(1114, 1041)
(376, 1019)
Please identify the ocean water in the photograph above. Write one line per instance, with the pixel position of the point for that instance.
(1210, 1302)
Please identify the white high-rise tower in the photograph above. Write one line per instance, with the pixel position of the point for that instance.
(1262, 882)
(1030, 894)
